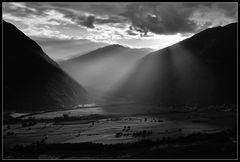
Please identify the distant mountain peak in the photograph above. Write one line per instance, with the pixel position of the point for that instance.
(112, 46)
(116, 45)
(122, 47)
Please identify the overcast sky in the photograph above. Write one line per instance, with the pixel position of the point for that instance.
(149, 25)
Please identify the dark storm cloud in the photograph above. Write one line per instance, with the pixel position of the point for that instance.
(230, 9)
(172, 18)
(111, 19)
(89, 21)
(159, 18)
(83, 20)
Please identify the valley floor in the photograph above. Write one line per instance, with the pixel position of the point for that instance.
(116, 130)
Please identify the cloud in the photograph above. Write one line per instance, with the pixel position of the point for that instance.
(131, 32)
(129, 19)
(111, 19)
(18, 9)
(172, 18)
(43, 32)
(62, 28)
(88, 22)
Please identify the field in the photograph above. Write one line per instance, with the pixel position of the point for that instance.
(102, 126)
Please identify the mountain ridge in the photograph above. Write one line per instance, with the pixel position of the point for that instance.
(193, 70)
(101, 68)
(106, 49)
(32, 81)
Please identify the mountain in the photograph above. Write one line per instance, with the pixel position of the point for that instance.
(31, 80)
(100, 70)
(60, 50)
(200, 69)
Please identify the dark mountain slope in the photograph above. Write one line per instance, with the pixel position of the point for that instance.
(31, 80)
(200, 69)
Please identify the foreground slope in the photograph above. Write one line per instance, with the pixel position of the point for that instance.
(31, 80)
(200, 69)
